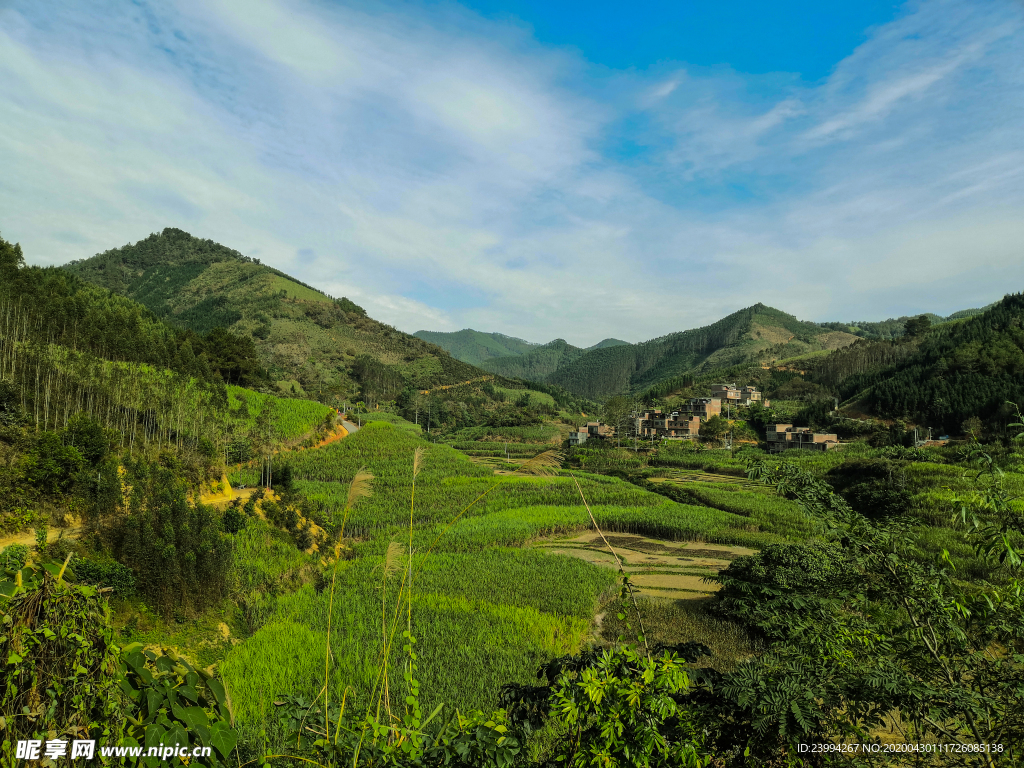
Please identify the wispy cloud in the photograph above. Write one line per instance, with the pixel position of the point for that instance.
(447, 171)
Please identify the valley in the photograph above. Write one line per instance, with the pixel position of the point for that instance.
(316, 524)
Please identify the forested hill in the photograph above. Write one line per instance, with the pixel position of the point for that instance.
(478, 348)
(308, 341)
(895, 327)
(943, 376)
(755, 332)
(474, 347)
(537, 364)
(49, 306)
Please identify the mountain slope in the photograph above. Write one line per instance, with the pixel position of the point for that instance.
(474, 347)
(757, 332)
(609, 343)
(894, 327)
(304, 337)
(952, 373)
(538, 363)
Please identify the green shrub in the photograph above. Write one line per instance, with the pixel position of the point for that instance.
(878, 498)
(13, 557)
(174, 547)
(234, 520)
(105, 573)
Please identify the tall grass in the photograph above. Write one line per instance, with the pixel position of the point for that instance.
(291, 417)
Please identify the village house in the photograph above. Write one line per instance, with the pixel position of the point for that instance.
(783, 437)
(733, 395)
(590, 430)
(702, 407)
(652, 423)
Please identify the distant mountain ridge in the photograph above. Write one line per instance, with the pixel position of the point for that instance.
(474, 347)
(613, 366)
(893, 328)
(478, 347)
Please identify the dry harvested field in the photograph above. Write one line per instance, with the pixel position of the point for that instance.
(666, 569)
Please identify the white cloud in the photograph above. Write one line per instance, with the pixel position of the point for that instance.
(445, 171)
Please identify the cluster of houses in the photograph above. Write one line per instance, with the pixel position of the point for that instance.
(684, 423)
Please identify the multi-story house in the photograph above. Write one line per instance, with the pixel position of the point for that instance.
(590, 429)
(652, 423)
(783, 437)
(702, 407)
(730, 394)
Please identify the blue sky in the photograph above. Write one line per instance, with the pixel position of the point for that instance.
(803, 37)
(539, 169)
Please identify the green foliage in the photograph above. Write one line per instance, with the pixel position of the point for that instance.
(862, 628)
(174, 547)
(105, 572)
(13, 557)
(60, 659)
(88, 437)
(714, 429)
(66, 679)
(878, 499)
(618, 707)
(917, 326)
(233, 520)
(50, 464)
(10, 402)
(174, 704)
(765, 589)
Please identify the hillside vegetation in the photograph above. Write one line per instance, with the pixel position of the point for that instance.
(443, 589)
(309, 342)
(895, 327)
(474, 347)
(943, 377)
(756, 333)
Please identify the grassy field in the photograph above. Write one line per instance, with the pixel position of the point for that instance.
(291, 417)
(485, 610)
(535, 397)
(389, 418)
(507, 570)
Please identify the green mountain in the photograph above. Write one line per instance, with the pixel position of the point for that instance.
(537, 364)
(758, 332)
(951, 373)
(893, 328)
(477, 347)
(474, 347)
(308, 341)
(609, 343)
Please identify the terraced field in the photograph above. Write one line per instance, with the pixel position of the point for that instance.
(700, 476)
(661, 569)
